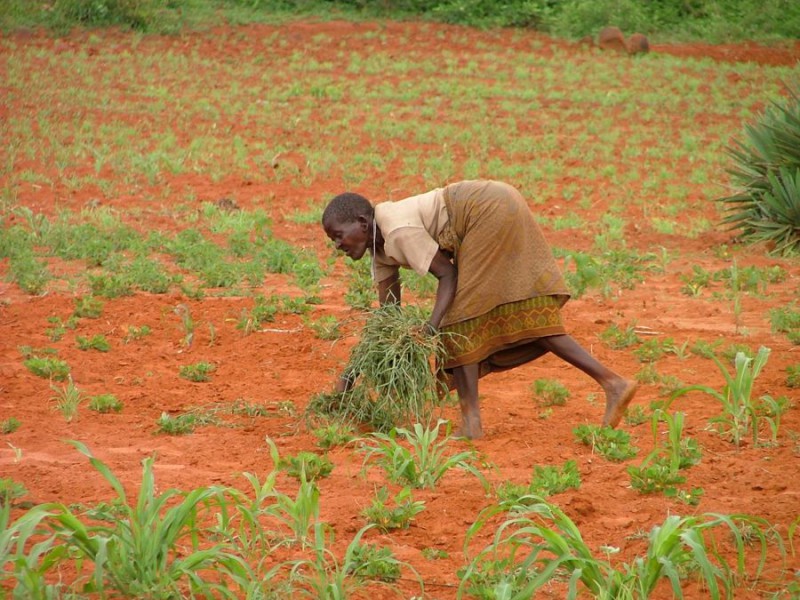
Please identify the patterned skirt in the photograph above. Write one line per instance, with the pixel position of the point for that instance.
(510, 289)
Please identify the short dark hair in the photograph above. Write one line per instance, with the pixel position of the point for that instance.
(347, 207)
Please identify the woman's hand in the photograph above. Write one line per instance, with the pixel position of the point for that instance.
(345, 382)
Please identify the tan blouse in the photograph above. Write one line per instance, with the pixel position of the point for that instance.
(410, 228)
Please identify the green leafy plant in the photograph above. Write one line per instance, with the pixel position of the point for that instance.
(547, 480)
(766, 167)
(333, 434)
(549, 392)
(308, 465)
(613, 444)
(397, 512)
(105, 403)
(10, 491)
(786, 320)
(369, 561)
(96, 342)
(418, 457)
(9, 425)
(133, 333)
(197, 372)
(88, 307)
(325, 328)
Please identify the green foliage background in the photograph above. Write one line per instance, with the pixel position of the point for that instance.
(710, 20)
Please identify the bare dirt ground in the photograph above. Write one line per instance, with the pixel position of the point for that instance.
(286, 362)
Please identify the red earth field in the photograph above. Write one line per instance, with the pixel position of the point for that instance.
(286, 363)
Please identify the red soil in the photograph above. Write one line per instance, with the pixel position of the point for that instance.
(286, 362)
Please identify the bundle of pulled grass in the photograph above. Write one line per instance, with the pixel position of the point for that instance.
(393, 370)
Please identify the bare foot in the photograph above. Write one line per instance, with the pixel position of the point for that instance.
(470, 429)
(618, 397)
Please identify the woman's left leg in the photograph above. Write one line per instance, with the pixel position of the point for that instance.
(619, 391)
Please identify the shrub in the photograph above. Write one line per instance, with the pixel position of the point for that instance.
(766, 166)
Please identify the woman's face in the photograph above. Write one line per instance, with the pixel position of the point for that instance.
(352, 237)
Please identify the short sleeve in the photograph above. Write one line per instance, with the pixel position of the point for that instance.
(411, 247)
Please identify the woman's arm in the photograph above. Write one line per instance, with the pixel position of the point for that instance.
(389, 290)
(447, 274)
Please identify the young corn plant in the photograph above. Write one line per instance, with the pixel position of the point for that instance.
(153, 548)
(741, 413)
(543, 541)
(422, 460)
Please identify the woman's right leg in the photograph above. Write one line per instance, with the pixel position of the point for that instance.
(466, 380)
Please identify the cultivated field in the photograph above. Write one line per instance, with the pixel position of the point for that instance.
(167, 292)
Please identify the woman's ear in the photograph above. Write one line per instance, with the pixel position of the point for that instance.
(363, 221)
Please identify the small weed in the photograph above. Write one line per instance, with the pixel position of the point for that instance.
(178, 425)
(307, 466)
(399, 516)
(434, 553)
(105, 403)
(135, 333)
(10, 490)
(617, 338)
(549, 392)
(653, 349)
(613, 444)
(88, 307)
(333, 434)
(51, 368)
(96, 342)
(325, 328)
(705, 349)
(58, 329)
(786, 320)
(547, 480)
(793, 376)
(197, 372)
(373, 562)
(9, 425)
(636, 415)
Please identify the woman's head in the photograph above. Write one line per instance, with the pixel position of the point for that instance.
(347, 221)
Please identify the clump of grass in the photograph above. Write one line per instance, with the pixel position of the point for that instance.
(549, 392)
(49, 367)
(133, 332)
(9, 425)
(793, 376)
(96, 342)
(10, 490)
(197, 372)
(391, 367)
(88, 307)
(105, 403)
(786, 320)
(67, 399)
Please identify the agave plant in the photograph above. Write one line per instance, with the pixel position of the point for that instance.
(767, 169)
